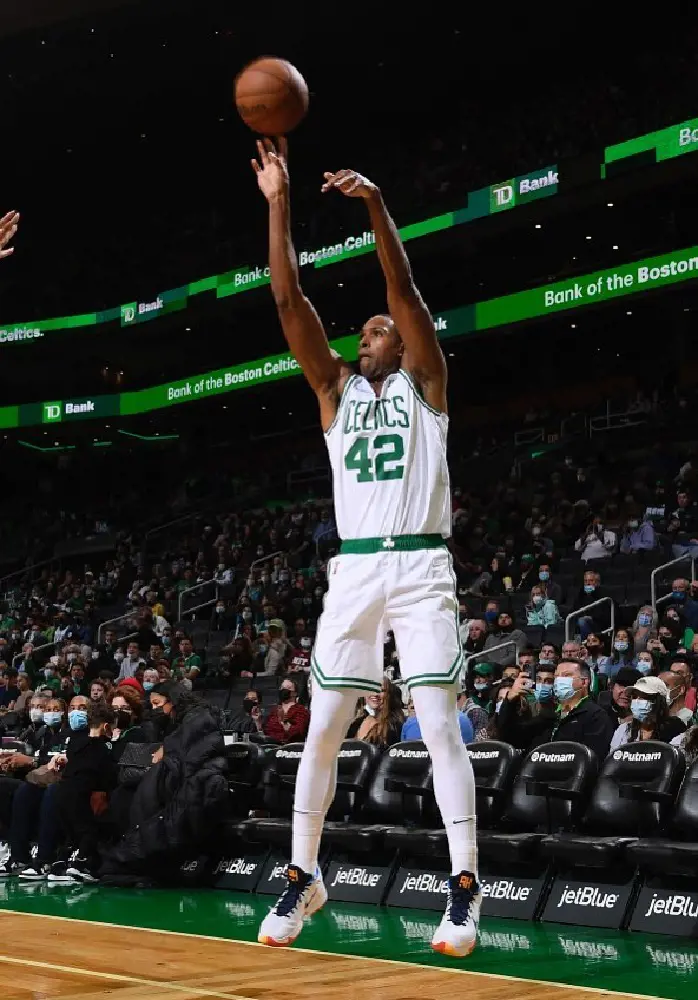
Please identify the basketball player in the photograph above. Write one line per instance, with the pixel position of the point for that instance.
(385, 430)
(8, 228)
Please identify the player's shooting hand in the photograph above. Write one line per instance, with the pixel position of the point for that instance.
(350, 183)
(272, 167)
(8, 228)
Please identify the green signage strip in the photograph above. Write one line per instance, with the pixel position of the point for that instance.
(573, 293)
(666, 144)
(543, 183)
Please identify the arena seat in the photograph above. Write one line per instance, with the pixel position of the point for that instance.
(494, 766)
(634, 795)
(246, 762)
(356, 763)
(549, 793)
(396, 796)
(277, 785)
(678, 853)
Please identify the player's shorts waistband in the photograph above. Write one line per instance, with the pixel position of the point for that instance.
(390, 543)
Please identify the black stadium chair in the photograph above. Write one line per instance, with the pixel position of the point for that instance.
(494, 767)
(245, 765)
(678, 853)
(555, 634)
(633, 796)
(356, 763)
(396, 796)
(549, 794)
(277, 787)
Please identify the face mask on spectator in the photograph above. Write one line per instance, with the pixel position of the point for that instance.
(220, 608)
(481, 685)
(36, 714)
(535, 531)
(77, 719)
(52, 718)
(537, 600)
(678, 595)
(262, 647)
(563, 688)
(71, 657)
(544, 662)
(285, 695)
(620, 645)
(544, 575)
(544, 692)
(246, 615)
(633, 524)
(148, 685)
(644, 620)
(248, 704)
(491, 616)
(48, 672)
(306, 643)
(644, 665)
(589, 588)
(498, 707)
(640, 708)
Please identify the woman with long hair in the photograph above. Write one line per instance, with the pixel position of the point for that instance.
(385, 726)
(649, 705)
(622, 654)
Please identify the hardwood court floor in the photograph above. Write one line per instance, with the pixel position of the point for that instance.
(67, 947)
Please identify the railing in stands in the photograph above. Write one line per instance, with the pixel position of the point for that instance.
(653, 578)
(197, 607)
(484, 653)
(587, 607)
(47, 645)
(113, 621)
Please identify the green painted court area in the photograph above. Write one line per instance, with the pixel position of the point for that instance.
(647, 965)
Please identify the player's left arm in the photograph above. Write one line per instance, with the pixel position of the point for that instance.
(8, 228)
(423, 355)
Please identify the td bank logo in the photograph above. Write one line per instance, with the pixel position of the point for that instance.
(128, 313)
(501, 196)
(53, 412)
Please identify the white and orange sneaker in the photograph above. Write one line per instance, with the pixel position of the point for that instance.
(304, 895)
(457, 933)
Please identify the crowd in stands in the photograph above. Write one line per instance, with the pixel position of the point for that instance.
(564, 638)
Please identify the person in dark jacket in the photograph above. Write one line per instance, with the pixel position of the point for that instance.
(89, 768)
(577, 719)
(181, 801)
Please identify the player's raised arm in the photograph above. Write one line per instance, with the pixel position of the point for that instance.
(302, 327)
(423, 355)
(8, 228)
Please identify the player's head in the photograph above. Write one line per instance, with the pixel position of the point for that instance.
(380, 348)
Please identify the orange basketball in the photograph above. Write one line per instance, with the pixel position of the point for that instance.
(271, 96)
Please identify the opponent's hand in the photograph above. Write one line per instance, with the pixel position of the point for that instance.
(350, 183)
(8, 228)
(272, 167)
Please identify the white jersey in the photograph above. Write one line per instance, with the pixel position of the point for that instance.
(388, 458)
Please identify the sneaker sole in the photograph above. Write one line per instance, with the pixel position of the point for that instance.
(446, 948)
(81, 877)
(61, 879)
(32, 878)
(318, 902)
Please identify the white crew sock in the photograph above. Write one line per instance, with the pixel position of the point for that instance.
(454, 782)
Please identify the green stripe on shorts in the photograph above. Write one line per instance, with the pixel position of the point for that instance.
(342, 683)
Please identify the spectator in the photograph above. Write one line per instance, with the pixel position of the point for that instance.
(616, 700)
(596, 619)
(622, 655)
(132, 662)
(505, 631)
(683, 526)
(187, 666)
(384, 726)
(412, 731)
(596, 542)
(644, 663)
(542, 610)
(476, 715)
(476, 636)
(638, 537)
(682, 597)
(675, 681)
(249, 719)
(684, 666)
(649, 705)
(643, 627)
(288, 721)
(552, 590)
(25, 693)
(580, 719)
